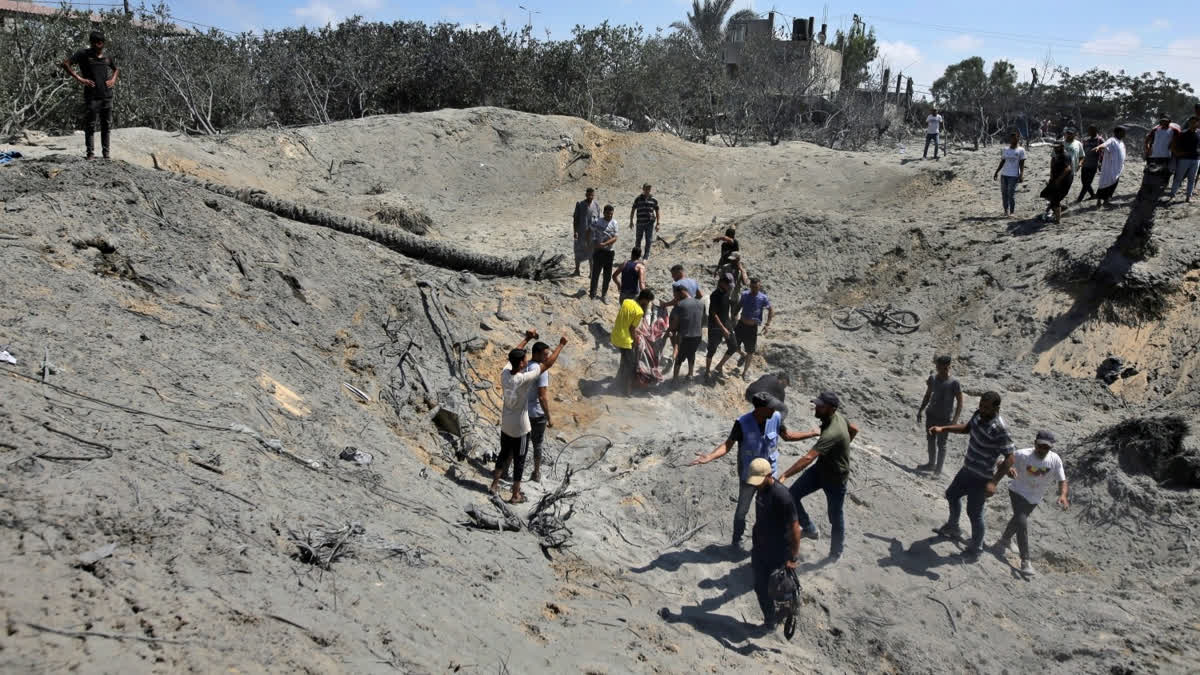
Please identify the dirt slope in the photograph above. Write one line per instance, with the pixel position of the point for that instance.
(172, 314)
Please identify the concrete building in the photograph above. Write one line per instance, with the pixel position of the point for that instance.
(816, 54)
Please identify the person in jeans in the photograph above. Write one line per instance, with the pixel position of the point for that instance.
(586, 212)
(942, 405)
(989, 442)
(687, 324)
(516, 381)
(604, 235)
(630, 277)
(98, 74)
(1187, 158)
(1032, 472)
(831, 475)
(757, 435)
(933, 133)
(1090, 164)
(646, 215)
(539, 407)
(1011, 171)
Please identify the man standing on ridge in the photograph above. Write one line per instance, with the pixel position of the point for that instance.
(516, 382)
(933, 133)
(98, 74)
(604, 235)
(1032, 472)
(539, 407)
(989, 441)
(586, 212)
(943, 396)
(648, 218)
(831, 475)
(757, 435)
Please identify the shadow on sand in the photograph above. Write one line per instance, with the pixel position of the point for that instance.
(726, 630)
(919, 559)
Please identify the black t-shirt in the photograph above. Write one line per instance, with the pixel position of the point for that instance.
(1091, 159)
(98, 69)
(1187, 144)
(727, 247)
(767, 383)
(718, 306)
(774, 513)
(646, 208)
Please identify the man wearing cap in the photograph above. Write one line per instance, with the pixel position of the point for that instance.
(516, 380)
(586, 213)
(932, 133)
(831, 475)
(989, 442)
(776, 534)
(98, 74)
(622, 337)
(1032, 472)
(752, 303)
(774, 386)
(647, 216)
(720, 326)
(943, 396)
(687, 326)
(757, 435)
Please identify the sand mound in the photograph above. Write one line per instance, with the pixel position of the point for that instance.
(1151, 446)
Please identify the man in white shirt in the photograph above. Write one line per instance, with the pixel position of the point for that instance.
(1011, 170)
(1032, 472)
(539, 407)
(516, 381)
(1158, 141)
(932, 133)
(1112, 153)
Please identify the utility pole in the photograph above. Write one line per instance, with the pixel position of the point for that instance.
(529, 12)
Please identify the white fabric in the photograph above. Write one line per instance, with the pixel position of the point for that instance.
(1012, 161)
(514, 418)
(1113, 162)
(1160, 147)
(935, 124)
(535, 404)
(1034, 475)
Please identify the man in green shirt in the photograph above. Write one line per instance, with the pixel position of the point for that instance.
(832, 454)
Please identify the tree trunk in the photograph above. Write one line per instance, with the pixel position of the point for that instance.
(433, 252)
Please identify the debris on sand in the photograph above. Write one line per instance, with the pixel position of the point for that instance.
(322, 548)
(1150, 446)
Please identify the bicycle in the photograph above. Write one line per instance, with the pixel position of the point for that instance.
(887, 318)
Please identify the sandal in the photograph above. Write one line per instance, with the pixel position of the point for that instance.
(518, 499)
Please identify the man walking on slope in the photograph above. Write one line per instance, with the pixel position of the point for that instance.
(933, 133)
(752, 304)
(832, 474)
(539, 407)
(776, 534)
(720, 326)
(943, 396)
(516, 381)
(1112, 153)
(1090, 164)
(586, 212)
(757, 435)
(645, 211)
(989, 441)
(98, 75)
(687, 324)
(1032, 472)
(628, 318)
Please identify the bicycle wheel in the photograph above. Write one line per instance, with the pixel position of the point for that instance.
(902, 321)
(848, 318)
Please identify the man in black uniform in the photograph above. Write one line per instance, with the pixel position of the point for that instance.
(776, 533)
(98, 75)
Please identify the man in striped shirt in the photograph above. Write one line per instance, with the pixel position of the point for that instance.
(988, 443)
(648, 218)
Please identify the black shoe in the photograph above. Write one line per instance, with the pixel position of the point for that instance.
(949, 531)
(924, 467)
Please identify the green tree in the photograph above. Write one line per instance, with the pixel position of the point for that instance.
(705, 21)
(858, 50)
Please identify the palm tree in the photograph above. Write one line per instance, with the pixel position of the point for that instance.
(705, 21)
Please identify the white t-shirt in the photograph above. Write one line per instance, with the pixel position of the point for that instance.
(1012, 161)
(514, 418)
(1034, 475)
(1113, 162)
(1160, 147)
(535, 404)
(935, 124)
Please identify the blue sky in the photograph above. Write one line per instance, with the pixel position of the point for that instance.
(920, 38)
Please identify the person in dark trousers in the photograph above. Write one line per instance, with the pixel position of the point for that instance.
(624, 338)
(630, 277)
(516, 381)
(757, 435)
(776, 534)
(720, 324)
(989, 442)
(539, 407)
(751, 305)
(831, 475)
(1091, 163)
(942, 405)
(587, 211)
(1032, 472)
(933, 133)
(1059, 185)
(98, 74)
(774, 386)
(687, 324)
(1186, 150)
(604, 235)
(646, 215)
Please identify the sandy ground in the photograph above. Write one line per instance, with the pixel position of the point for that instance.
(171, 315)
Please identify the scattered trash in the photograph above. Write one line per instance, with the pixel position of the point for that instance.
(96, 555)
(7, 156)
(325, 547)
(273, 444)
(1113, 369)
(7, 358)
(353, 454)
(362, 395)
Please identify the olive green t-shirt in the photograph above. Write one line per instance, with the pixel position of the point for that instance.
(834, 448)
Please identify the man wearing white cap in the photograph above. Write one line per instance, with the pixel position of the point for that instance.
(1032, 472)
(776, 533)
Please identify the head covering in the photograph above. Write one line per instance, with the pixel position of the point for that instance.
(761, 400)
(759, 470)
(942, 359)
(827, 398)
(1045, 438)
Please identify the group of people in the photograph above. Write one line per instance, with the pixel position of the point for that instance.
(781, 520)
